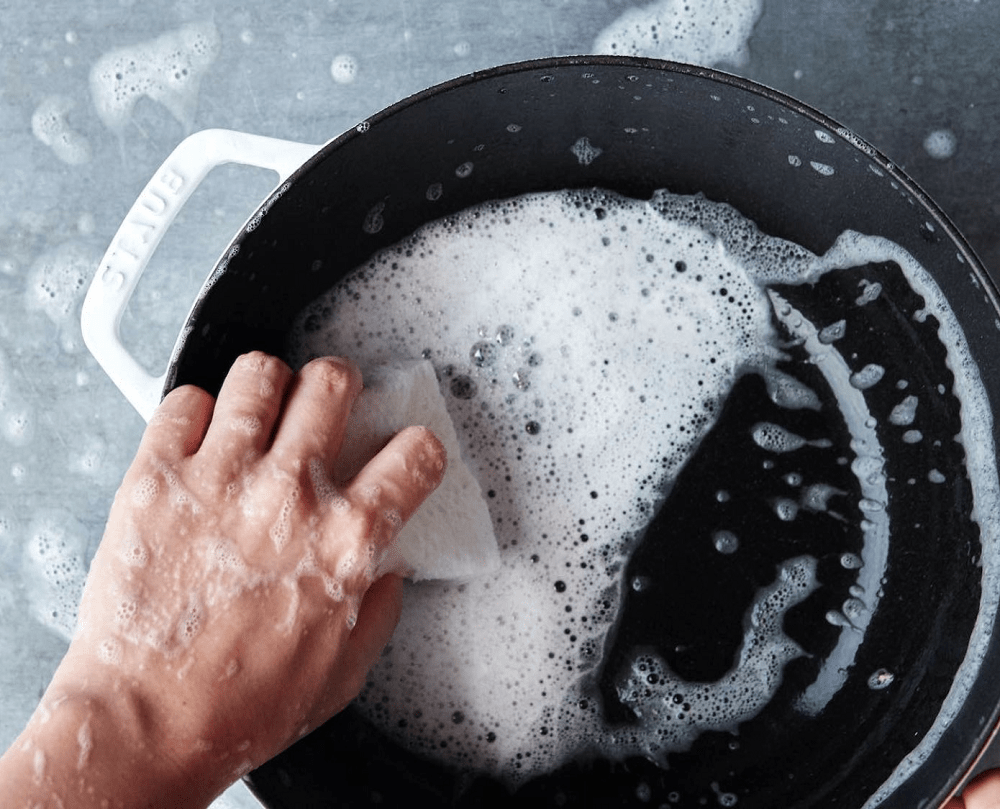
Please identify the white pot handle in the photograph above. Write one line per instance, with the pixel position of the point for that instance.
(140, 234)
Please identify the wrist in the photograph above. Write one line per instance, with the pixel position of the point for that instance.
(102, 747)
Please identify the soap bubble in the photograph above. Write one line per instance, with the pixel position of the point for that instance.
(50, 124)
(941, 144)
(344, 68)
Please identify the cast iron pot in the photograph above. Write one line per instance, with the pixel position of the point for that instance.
(799, 176)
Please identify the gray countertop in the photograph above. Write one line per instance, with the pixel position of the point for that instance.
(95, 93)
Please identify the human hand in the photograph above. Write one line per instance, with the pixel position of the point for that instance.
(234, 603)
(983, 792)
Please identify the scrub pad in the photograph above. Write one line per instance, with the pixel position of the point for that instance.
(451, 535)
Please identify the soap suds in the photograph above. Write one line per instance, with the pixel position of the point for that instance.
(167, 70)
(344, 68)
(50, 124)
(54, 571)
(941, 144)
(704, 33)
(58, 278)
(543, 387)
(538, 347)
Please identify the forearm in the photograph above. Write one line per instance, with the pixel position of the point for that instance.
(81, 751)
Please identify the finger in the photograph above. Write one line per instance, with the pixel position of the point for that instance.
(177, 427)
(983, 792)
(401, 476)
(377, 618)
(316, 412)
(248, 406)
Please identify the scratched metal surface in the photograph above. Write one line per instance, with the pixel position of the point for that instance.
(93, 96)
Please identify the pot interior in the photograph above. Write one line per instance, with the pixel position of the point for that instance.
(632, 127)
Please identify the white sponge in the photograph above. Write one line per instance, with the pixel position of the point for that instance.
(451, 534)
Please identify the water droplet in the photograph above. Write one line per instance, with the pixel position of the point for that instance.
(833, 332)
(867, 376)
(904, 413)
(725, 542)
(344, 68)
(853, 608)
(585, 152)
(373, 220)
(835, 618)
(870, 291)
(787, 510)
(941, 144)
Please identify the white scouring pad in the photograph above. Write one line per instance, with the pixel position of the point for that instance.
(451, 535)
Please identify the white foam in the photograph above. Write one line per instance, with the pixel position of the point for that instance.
(167, 70)
(18, 424)
(57, 281)
(50, 124)
(941, 144)
(543, 388)
(585, 344)
(706, 33)
(775, 438)
(54, 572)
(344, 68)
(905, 412)
(976, 436)
(680, 711)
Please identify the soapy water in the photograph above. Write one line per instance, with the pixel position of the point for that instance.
(579, 397)
(57, 281)
(941, 144)
(50, 124)
(55, 571)
(705, 33)
(167, 70)
(344, 68)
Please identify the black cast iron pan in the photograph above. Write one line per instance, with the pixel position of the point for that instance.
(689, 130)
